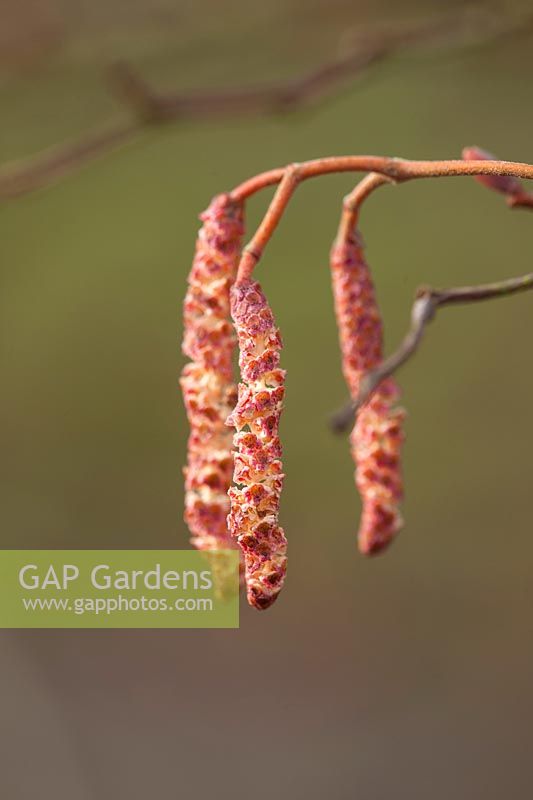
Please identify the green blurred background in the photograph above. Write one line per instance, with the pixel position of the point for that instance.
(405, 676)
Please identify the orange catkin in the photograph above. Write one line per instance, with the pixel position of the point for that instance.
(377, 435)
(207, 381)
(253, 519)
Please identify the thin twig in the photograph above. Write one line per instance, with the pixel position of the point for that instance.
(394, 170)
(398, 170)
(352, 202)
(254, 249)
(21, 177)
(425, 307)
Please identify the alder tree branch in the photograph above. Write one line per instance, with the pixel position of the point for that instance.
(254, 249)
(151, 108)
(497, 175)
(397, 170)
(427, 302)
(382, 169)
(352, 202)
(25, 176)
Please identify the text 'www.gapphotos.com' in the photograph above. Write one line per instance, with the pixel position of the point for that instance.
(114, 605)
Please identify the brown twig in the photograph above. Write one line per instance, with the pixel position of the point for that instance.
(426, 304)
(21, 177)
(249, 101)
(147, 105)
(397, 170)
(151, 108)
(352, 202)
(382, 169)
(254, 249)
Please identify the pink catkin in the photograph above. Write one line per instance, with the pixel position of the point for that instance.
(253, 519)
(377, 436)
(207, 381)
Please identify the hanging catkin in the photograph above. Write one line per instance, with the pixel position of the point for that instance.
(377, 435)
(253, 519)
(207, 381)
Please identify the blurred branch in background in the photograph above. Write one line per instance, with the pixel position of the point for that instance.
(151, 108)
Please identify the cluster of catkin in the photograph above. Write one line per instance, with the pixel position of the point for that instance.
(234, 473)
(237, 433)
(207, 381)
(377, 435)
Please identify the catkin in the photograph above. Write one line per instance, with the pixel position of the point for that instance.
(207, 381)
(253, 518)
(377, 436)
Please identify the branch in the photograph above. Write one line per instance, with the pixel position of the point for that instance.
(151, 108)
(352, 202)
(249, 101)
(366, 49)
(427, 302)
(397, 170)
(22, 177)
(386, 169)
(254, 249)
